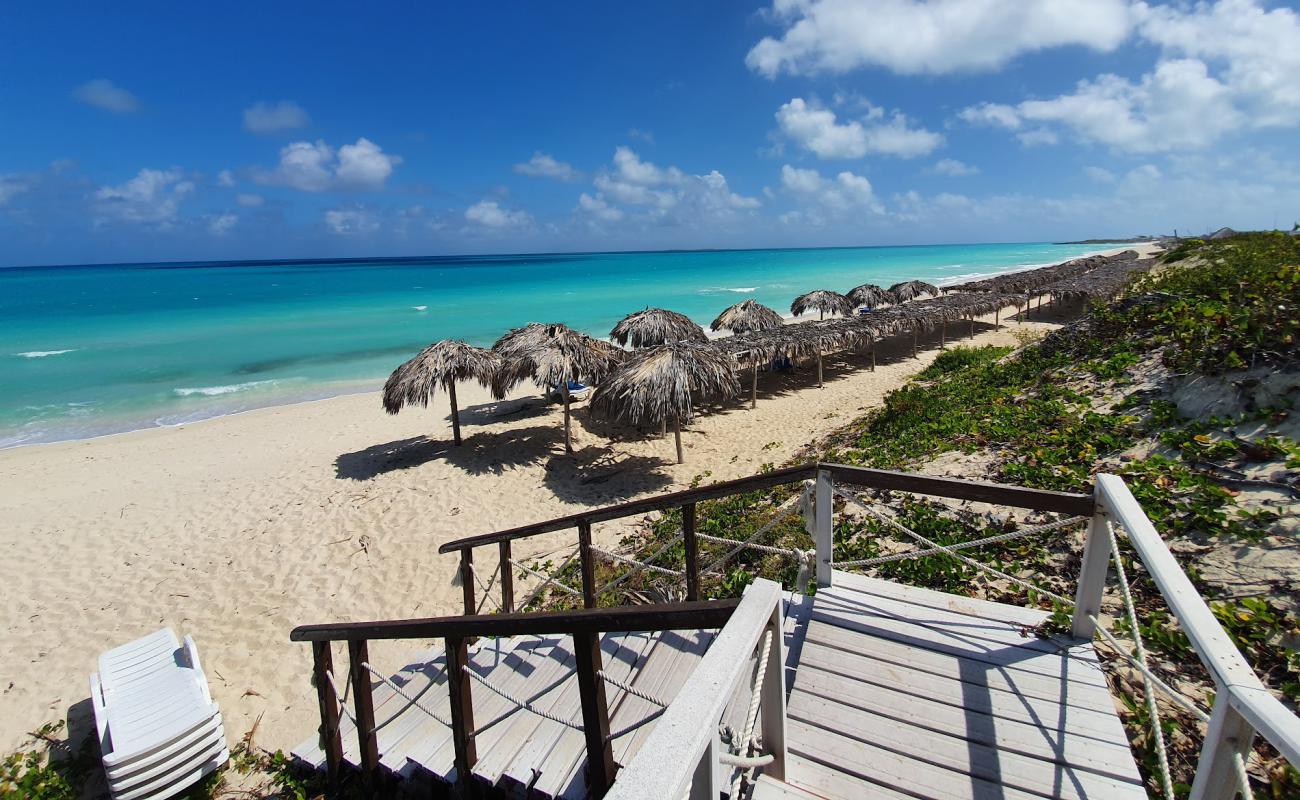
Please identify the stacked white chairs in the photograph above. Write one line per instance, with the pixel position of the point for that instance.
(159, 729)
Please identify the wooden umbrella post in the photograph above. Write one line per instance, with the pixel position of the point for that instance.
(677, 433)
(753, 387)
(455, 413)
(873, 355)
(568, 440)
(943, 336)
(914, 342)
(819, 366)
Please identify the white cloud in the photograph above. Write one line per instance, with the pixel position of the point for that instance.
(1099, 174)
(103, 93)
(351, 221)
(249, 200)
(316, 167)
(152, 197)
(1224, 67)
(818, 130)
(11, 186)
(646, 136)
(671, 196)
(542, 165)
(597, 208)
(952, 168)
(220, 225)
(846, 192)
(274, 117)
(225, 178)
(934, 36)
(490, 214)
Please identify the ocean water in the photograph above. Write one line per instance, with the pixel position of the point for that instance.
(93, 350)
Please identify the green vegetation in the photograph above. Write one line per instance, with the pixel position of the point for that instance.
(43, 770)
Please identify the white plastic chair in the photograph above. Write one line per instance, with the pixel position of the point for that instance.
(159, 730)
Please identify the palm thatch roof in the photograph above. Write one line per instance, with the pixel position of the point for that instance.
(552, 355)
(869, 294)
(908, 291)
(664, 382)
(1033, 280)
(441, 364)
(823, 300)
(656, 326)
(747, 316)
(1102, 283)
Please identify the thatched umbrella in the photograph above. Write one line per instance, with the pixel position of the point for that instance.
(552, 355)
(441, 363)
(870, 295)
(656, 326)
(749, 316)
(662, 382)
(822, 300)
(910, 290)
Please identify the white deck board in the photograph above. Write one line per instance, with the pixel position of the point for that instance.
(941, 697)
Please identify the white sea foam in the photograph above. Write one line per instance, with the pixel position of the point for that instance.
(213, 391)
(44, 353)
(736, 289)
(420, 308)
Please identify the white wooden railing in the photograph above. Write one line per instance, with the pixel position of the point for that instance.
(683, 756)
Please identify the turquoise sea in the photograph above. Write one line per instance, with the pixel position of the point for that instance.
(92, 350)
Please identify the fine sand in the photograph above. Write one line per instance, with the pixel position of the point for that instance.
(237, 529)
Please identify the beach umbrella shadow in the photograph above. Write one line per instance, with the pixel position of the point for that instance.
(379, 459)
(604, 475)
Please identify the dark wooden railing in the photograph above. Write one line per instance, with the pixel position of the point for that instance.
(685, 501)
(585, 626)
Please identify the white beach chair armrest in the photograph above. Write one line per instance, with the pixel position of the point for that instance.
(192, 656)
(101, 709)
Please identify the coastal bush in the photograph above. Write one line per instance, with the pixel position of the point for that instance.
(45, 768)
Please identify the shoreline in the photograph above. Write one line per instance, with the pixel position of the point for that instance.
(240, 528)
(375, 385)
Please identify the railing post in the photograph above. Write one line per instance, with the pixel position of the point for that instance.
(364, 705)
(462, 709)
(331, 741)
(595, 713)
(588, 566)
(823, 526)
(507, 577)
(692, 552)
(772, 704)
(706, 783)
(467, 579)
(1228, 732)
(1092, 573)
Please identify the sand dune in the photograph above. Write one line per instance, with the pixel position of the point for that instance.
(238, 529)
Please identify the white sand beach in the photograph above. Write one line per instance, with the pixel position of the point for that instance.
(237, 529)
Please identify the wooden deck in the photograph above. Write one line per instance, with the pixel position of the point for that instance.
(905, 692)
(892, 691)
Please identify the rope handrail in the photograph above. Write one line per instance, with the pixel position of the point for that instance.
(1001, 537)
(743, 758)
(343, 707)
(410, 701)
(624, 559)
(522, 704)
(950, 552)
(639, 568)
(487, 588)
(547, 579)
(781, 511)
(630, 689)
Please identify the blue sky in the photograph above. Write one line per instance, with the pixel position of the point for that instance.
(169, 131)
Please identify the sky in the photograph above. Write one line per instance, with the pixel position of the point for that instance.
(185, 131)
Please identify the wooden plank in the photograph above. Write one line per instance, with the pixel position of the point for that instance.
(662, 616)
(926, 747)
(595, 715)
(462, 708)
(797, 610)
(971, 606)
(507, 577)
(962, 489)
(587, 564)
(364, 709)
(830, 783)
(1061, 743)
(467, 579)
(564, 768)
(692, 552)
(881, 767)
(531, 767)
(1050, 706)
(940, 622)
(919, 637)
(662, 676)
(331, 743)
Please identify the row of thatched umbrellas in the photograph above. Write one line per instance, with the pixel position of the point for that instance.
(673, 363)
